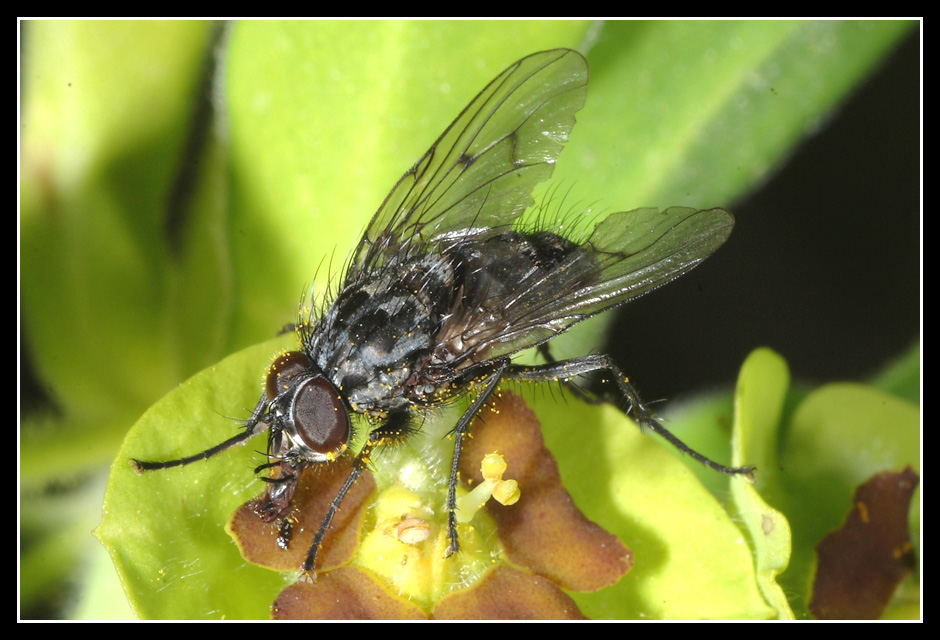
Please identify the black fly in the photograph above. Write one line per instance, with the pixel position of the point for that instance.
(446, 286)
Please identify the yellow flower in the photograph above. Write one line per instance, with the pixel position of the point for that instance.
(384, 554)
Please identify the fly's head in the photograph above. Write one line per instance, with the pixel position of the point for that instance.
(305, 410)
(308, 424)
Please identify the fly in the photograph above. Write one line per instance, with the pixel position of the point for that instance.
(446, 286)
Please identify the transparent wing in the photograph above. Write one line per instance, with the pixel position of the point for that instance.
(481, 171)
(626, 255)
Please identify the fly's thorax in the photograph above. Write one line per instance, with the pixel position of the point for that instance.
(379, 330)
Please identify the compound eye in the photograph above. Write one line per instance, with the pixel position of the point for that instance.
(284, 370)
(320, 417)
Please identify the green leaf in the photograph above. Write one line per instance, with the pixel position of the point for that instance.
(811, 452)
(693, 113)
(902, 377)
(840, 436)
(759, 398)
(690, 560)
(165, 529)
(105, 301)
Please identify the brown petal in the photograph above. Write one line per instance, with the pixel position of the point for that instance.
(318, 486)
(545, 531)
(506, 593)
(347, 593)
(861, 564)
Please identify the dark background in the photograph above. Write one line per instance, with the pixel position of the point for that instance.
(823, 265)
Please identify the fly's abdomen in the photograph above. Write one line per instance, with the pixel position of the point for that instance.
(509, 286)
(499, 270)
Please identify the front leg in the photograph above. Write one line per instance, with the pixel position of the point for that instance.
(394, 429)
(257, 423)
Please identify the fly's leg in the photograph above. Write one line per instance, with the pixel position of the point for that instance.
(311, 559)
(394, 429)
(253, 427)
(565, 370)
(578, 392)
(463, 426)
(276, 504)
